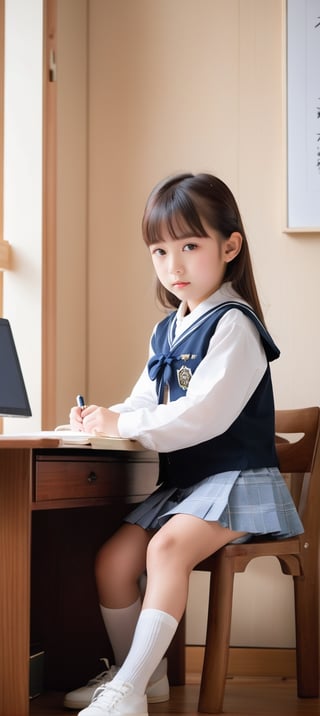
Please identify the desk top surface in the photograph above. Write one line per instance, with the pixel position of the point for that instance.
(55, 439)
(19, 441)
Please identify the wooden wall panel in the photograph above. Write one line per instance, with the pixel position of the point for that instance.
(49, 270)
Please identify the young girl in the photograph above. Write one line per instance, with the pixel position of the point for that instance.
(204, 402)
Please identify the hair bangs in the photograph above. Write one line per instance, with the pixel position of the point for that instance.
(174, 215)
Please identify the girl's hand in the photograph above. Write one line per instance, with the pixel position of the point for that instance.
(95, 419)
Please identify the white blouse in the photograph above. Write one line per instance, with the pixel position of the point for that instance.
(219, 389)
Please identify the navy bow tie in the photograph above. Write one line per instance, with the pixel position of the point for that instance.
(160, 369)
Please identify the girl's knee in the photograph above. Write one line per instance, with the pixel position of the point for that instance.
(162, 544)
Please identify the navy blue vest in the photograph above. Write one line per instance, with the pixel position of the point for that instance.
(249, 441)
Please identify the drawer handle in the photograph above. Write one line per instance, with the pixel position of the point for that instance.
(92, 477)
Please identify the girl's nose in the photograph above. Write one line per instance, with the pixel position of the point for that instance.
(176, 265)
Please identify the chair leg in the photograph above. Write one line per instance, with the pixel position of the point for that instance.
(306, 590)
(176, 656)
(215, 665)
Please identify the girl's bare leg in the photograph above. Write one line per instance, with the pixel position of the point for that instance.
(119, 564)
(172, 554)
(169, 556)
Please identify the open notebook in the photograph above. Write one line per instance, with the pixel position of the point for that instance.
(102, 442)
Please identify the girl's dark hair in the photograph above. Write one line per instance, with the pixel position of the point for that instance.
(180, 205)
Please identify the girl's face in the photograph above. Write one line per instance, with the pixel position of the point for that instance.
(192, 268)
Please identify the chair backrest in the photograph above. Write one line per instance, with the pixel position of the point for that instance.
(301, 460)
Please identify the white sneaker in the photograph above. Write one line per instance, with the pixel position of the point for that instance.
(79, 698)
(118, 699)
(157, 689)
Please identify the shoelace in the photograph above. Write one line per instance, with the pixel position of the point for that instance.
(106, 675)
(109, 694)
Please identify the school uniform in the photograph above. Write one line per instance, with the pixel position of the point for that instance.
(204, 402)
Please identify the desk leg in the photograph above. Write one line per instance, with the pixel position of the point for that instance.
(15, 526)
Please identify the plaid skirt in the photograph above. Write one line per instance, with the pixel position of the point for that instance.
(253, 501)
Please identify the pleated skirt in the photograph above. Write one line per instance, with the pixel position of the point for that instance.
(257, 502)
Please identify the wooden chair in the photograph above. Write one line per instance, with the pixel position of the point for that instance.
(298, 556)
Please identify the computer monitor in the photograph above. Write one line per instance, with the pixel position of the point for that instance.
(13, 395)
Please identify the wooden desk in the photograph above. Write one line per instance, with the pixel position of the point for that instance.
(57, 505)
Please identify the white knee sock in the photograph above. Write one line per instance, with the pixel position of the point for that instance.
(120, 625)
(154, 632)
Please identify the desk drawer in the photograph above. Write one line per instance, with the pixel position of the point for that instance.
(79, 479)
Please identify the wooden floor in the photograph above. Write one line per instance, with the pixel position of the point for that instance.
(243, 697)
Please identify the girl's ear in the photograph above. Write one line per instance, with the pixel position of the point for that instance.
(232, 246)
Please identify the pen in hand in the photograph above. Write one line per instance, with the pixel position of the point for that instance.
(81, 404)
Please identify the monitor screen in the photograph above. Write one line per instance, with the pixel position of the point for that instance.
(13, 395)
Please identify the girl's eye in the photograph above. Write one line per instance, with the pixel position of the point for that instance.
(189, 247)
(158, 252)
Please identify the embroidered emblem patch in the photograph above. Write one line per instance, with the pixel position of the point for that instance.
(184, 376)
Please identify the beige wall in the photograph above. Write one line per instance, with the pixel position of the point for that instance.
(72, 204)
(174, 86)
